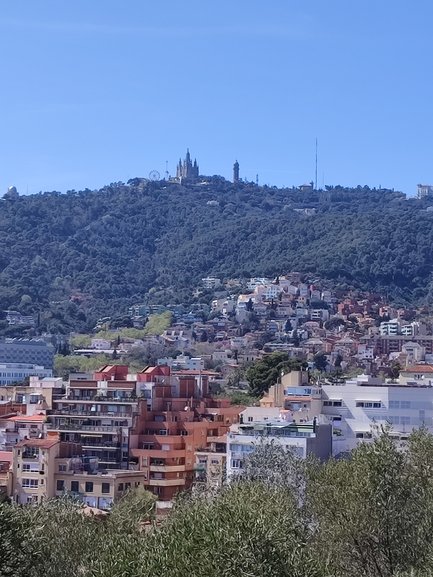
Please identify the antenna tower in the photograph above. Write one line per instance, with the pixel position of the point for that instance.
(315, 181)
(166, 170)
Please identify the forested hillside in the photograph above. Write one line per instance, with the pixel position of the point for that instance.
(73, 257)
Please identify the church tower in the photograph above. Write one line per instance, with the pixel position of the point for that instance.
(187, 169)
(236, 172)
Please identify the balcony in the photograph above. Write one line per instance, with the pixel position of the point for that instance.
(89, 413)
(166, 468)
(99, 444)
(163, 439)
(163, 454)
(69, 427)
(29, 455)
(166, 482)
(99, 399)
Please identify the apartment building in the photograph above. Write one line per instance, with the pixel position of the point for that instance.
(100, 414)
(387, 344)
(13, 373)
(5, 472)
(364, 402)
(17, 428)
(151, 422)
(47, 468)
(33, 468)
(301, 438)
(180, 419)
(27, 351)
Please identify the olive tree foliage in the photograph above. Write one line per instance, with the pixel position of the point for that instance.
(248, 529)
(72, 543)
(368, 516)
(17, 551)
(373, 513)
(274, 464)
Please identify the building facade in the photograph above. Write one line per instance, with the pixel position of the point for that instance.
(301, 438)
(27, 351)
(187, 169)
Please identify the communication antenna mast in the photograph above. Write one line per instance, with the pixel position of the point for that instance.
(257, 179)
(166, 170)
(315, 180)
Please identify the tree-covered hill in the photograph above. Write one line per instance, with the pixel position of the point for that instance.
(72, 257)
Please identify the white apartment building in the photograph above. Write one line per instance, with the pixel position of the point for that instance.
(210, 282)
(391, 327)
(14, 373)
(355, 407)
(302, 438)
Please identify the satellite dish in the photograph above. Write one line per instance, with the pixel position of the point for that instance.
(154, 175)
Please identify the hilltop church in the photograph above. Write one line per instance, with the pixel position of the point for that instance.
(187, 169)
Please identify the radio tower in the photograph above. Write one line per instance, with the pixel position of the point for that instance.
(315, 180)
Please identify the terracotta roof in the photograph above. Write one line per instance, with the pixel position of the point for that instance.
(40, 443)
(6, 456)
(418, 369)
(29, 418)
(186, 372)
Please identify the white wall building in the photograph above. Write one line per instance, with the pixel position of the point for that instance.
(302, 438)
(12, 373)
(391, 327)
(357, 406)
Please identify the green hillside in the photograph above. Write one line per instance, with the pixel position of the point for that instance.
(73, 257)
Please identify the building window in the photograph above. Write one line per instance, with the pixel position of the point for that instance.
(405, 405)
(30, 483)
(236, 463)
(62, 468)
(89, 487)
(31, 467)
(30, 453)
(250, 419)
(105, 488)
(60, 485)
(120, 487)
(75, 486)
(394, 404)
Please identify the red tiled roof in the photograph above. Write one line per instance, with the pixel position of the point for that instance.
(29, 418)
(6, 456)
(41, 443)
(185, 372)
(418, 369)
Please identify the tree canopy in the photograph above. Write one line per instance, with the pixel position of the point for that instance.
(71, 258)
(368, 516)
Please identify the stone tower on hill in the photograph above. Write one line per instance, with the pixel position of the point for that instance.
(187, 169)
(236, 172)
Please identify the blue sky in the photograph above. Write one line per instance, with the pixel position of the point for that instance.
(100, 91)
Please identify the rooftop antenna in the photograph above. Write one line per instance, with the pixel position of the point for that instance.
(315, 180)
(257, 179)
(166, 170)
